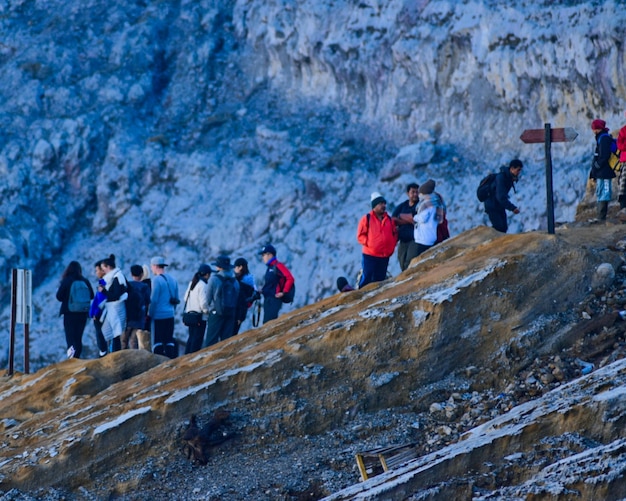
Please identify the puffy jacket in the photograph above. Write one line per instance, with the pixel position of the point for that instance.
(600, 168)
(377, 237)
(500, 199)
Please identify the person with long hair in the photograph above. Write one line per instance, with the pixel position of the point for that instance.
(115, 290)
(247, 291)
(197, 300)
(75, 302)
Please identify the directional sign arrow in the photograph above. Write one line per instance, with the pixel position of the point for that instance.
(564, 135)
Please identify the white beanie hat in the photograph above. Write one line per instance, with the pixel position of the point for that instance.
(376, 198)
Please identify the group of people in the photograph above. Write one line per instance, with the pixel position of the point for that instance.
(140, 313)
(414, 226)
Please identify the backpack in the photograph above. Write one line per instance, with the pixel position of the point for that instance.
(80, 297)
(614, 162)
(289, 295)
(486, 188)
(226, 297)
(135, 306)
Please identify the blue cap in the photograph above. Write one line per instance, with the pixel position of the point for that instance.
(268, 249)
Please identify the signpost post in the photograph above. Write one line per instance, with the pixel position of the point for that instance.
(548, 135)
(21, 313)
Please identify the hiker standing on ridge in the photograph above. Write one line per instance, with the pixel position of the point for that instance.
(75, 293)
(278, 282)
(498, 202)
(163, 301)
(601, 171)
(378, 235)
(223, 294)
(403, 217)
(430, 212)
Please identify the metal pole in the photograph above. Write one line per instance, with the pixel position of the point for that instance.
(13, 319)
(26, 348)
(549, 189)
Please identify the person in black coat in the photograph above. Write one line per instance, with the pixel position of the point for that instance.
(498, 203)
(73, 321)
(247, 291)
(601, 171)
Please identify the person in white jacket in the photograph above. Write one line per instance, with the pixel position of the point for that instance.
(430, 212)
(114, 314)
(197, 300)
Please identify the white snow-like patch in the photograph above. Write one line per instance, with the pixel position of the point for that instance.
(442, 292)
(612, 394)
(152, 397)
(121, 419)
(270, 360)
(419, 317)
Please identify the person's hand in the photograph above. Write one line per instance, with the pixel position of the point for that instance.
(279, 295)
(516, 211)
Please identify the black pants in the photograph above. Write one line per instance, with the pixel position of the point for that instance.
(74, 326)
(163, 343)
(406, 252)
(271, 307)
(498, 220)
(102, 343)
(218, 328)
(196, 336)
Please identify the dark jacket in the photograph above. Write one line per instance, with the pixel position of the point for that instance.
(500, 198)
(405, 231)
(63, 293)
(600, 168)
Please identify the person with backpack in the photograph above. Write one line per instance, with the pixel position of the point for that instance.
(196, 309)
(115, 289)
(163, 301)
(378, 235)
(497, 201)
(431, 211)
(137, 306)
(278, 286)
(223, 294)
(601, 171)
(247, 291)
(75, 294)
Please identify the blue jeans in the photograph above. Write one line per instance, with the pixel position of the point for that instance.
(374, 269)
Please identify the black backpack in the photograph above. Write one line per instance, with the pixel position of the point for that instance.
(226, 297)
(486, 188)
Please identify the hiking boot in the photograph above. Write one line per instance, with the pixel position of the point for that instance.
(603, 208)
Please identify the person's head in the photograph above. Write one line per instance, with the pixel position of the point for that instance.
(267, 252)
(598, 126)
(136, 272)
(108, 263)
(222, 263)
(412, 192)
(204, 270)
(73, 270)
(97, 269)
(515, 167)
(241, 267)
(157, 265)
(428, 188)
(379, 204)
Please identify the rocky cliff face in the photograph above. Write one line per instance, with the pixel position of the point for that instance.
(194, 128)
(498, 358)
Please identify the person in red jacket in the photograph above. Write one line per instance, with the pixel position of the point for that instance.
(621, 146)
(378, 235)
(278, 283)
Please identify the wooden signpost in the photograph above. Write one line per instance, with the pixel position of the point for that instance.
(548, 135)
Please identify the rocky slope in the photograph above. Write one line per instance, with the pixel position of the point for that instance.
(479, 355)
(194, 128)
